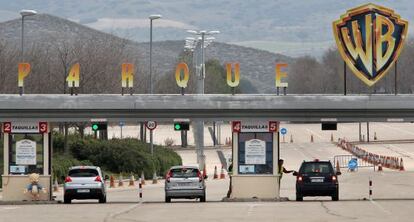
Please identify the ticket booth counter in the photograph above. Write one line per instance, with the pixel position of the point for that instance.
(26, 147)
(255, 160)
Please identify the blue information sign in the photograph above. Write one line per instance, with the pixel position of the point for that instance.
(283, 131)
(353, 164)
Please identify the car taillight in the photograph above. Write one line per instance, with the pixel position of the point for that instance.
(169, 175)
(300, 179)
(333, 178)
(68, 179)
(200, 176)
(98, 179)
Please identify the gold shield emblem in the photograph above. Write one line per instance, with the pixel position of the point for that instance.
(370, 39)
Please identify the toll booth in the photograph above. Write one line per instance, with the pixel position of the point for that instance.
(255, 160)
(27, 149)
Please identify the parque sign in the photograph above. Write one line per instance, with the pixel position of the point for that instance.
(370, 39)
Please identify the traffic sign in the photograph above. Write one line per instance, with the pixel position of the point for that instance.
(283, 131)
(121, 123)
(353, 164)
(151, 125)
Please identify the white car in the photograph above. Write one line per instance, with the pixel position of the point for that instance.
(84, 182)
(185, 182)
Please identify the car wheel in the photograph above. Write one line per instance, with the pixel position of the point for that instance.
(102, 199)
(203, 198)
(167, 199)
(67, 200)
(299, 197)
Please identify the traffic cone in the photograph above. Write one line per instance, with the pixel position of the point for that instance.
(291, 138)
(379, 167)
(375, 136)
(154, 178)
(222, 175)
(204, 171)
(402, 165)
(112, 182)
(215, 173)
(332, 139)
(311, 138)
(132, 180)
(142, 178)
(120, 181)
(338, 169)
(56, 186)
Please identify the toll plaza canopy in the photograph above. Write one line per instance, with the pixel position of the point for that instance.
(304, 108)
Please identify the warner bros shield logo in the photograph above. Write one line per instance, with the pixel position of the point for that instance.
(370, 39)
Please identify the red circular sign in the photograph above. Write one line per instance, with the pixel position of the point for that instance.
(151, 125)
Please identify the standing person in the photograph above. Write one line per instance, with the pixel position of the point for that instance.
(230, 172)
(282, 170)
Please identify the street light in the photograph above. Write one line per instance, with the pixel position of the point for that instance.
(199, 125)
(24, 13)
(204, 44)
(152, 17)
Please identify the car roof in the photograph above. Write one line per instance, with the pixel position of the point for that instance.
(181, 167)
(84, 167)
(317, 161)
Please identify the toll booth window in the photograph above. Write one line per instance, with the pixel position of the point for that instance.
(255, 153)
(26, 154)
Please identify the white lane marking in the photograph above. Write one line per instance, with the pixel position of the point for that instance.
(397, 129)
(380, 207)
(402, 151)
(116, 214)
(251, 208)
(9, 208)
(316, 134)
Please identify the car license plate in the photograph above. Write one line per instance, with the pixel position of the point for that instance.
(317, 180)
(83, 190)
(184, 184)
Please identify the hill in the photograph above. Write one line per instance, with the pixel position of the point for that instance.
(53, 35)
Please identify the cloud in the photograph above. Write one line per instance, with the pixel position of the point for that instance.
(124, 23)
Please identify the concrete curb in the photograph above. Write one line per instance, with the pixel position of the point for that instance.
(41, 202)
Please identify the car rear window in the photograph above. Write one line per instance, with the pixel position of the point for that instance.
(184, 172)
(83, 173)
(316, 168)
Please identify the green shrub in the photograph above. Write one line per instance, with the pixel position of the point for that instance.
(120, 156)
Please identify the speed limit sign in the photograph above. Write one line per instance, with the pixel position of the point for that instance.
(151, 125)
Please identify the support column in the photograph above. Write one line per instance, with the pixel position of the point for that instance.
(6, 154)
(45, 154)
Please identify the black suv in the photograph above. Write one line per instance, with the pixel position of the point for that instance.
(317, 178)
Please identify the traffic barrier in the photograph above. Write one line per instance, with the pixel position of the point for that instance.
(132, 180)
(120, 181)
(142, 178)
(56, 186)
(222, 175)
(332, 138)
(311, 138)
(154, 178)
(140, 190)
(370, 189)
(215, 173)
(402, 165)
(112, 182)
(291, 138)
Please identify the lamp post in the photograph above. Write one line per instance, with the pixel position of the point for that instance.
(151, 17)
(25, 13)
(199, 124)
